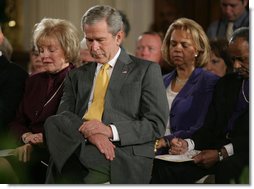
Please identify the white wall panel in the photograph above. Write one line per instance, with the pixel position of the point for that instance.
(139, 13)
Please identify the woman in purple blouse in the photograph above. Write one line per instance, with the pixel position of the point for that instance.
(58, 45)
(189, 87)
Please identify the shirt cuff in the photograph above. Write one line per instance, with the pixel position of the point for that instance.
(191, 145)
(229, 148)
(115, 133)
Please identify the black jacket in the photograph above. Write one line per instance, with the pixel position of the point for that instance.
(12, 82)
(213, 135)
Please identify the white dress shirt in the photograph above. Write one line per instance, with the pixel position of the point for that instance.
(112, 65)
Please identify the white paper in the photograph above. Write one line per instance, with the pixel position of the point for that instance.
(8, 152)
(178, 158)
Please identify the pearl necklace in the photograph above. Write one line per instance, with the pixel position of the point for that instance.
(181, 81)
(245, 98)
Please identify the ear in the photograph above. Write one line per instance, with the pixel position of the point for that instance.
(119, 37)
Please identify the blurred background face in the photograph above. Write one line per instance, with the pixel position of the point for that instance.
(52, 55)
(85, 55)
(239, 52)
(216, 65)
(182, 50)
(232, 9)
(149, 48)
(36, 64)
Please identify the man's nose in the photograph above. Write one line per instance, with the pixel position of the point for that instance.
(95, 45)
(228, 9)
(237, 64)
(44, 54)
(145, 51)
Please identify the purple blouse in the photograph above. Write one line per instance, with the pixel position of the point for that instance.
(43, 92)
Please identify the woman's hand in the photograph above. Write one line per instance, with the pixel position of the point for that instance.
(178, 146)
(32, 138)
(23, 153)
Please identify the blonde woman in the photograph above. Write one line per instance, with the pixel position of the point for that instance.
(58, 44)
(189, 88)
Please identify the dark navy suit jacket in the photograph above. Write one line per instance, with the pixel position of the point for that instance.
(214, 134)
(191, 104)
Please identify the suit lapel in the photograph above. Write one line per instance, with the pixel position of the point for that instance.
(85, 88)
(188, 88)
(122, 68)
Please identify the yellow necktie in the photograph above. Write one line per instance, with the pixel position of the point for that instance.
(229, 30)
(96, 109)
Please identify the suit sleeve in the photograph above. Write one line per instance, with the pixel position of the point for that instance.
(68, 101)
(12, 90)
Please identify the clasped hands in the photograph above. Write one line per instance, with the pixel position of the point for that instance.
(205, 158)
(99, 135)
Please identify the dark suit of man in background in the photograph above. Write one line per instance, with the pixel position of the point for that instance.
(233, 11)
(12, 83)
(120, 147)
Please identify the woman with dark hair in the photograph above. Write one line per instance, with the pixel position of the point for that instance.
(220, 63)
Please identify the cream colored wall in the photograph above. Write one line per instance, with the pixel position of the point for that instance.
(139, 13)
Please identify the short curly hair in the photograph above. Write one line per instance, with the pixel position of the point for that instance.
(62, 30)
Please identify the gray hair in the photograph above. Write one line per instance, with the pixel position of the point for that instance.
(103, 12)
(242, 32)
